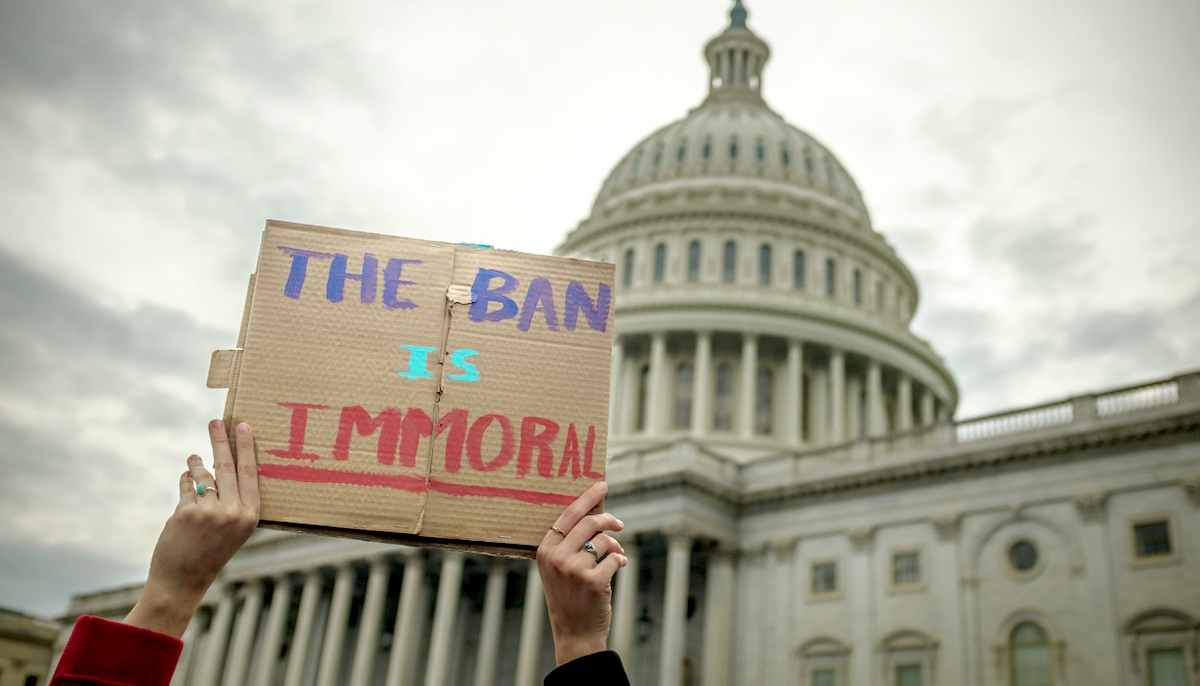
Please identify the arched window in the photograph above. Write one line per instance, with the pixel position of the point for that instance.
(643, 390)
(693, 274)
(733, 149)
(660, 262)
(1030, 655)
(723, 407)
(764, 265)
(764, 393)
(707, 151)
(627, 275)
(729, 271)
(798, 270)
(857, 287)
(684, 383)
(830, 278)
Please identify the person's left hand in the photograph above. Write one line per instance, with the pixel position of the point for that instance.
(202, 535)
(578, 583)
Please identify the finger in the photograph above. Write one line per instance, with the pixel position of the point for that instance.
(223, 465)
(198, 473)
(609, 566)
(588, 527)
(582, 505)
(187, 489)
(247, 467)
(606, 544)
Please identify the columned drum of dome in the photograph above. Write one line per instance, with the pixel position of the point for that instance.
(755, 297)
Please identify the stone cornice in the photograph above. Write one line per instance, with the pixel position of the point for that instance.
(956, 462)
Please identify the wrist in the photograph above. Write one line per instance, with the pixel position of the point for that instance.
(163, 610)
(567, 649)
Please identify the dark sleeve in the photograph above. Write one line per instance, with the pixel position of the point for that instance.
(101, 652)
(601, 669)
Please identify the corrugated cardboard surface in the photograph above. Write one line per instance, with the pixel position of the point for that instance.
(481, 447)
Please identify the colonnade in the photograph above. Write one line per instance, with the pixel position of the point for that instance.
(295, 628)
(844, 405)
(257, 634)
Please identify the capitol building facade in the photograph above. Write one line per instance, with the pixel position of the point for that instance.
(801, 506)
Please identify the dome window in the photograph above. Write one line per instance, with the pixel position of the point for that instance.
(693, 272)
(729, 266)
(660, 262)
(733, 149)
(759, 152)
(627, 274)
(657, 158)
(830, 278)
(798, 270)
(764, 265)
(684, 382)
(857, 287)
(764, 387)
(808, 164)
(723, 407)
(787, 160)
(707, 149)
(637, 163)
(682, 151)
(829, 172)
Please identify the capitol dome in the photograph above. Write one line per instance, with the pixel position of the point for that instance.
(757, 309)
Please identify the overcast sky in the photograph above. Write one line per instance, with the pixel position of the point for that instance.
(1034, 162)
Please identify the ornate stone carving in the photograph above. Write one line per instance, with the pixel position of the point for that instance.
(1191, 485)
(1093, 507)
(947, 525)
(861, 538)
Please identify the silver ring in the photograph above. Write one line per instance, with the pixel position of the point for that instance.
(201, 489)
(592, 549)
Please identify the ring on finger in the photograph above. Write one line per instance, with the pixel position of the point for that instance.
(592, 549)
(201, 489)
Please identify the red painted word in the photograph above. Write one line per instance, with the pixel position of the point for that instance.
(400, 434)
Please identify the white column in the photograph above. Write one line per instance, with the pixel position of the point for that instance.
(629, 395)
(926, 407)
(904, 415)
(793, 405)
(614, 408)
(702, 391)
(679, 567)
(783, 550)
(404, 636)
(718, 618)
(298, 653)
(657, 386)
(281, 602)
(243, 634)
(531, 629)
(444, 614)
(368, 626)
(837, 396)
(218, 637)
(876, 414)
(749, 379)
(861, 600)
(493, 618)
(945, 571)
(625, 600)
(335, 629)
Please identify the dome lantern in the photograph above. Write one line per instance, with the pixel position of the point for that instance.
(736, 59)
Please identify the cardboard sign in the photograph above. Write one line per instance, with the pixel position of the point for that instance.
(418, 391)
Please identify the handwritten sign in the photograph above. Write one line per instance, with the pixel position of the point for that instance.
(420, 391)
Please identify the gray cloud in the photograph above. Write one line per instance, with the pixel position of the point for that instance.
(33, 576)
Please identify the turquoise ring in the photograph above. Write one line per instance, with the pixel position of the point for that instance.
(201, 489)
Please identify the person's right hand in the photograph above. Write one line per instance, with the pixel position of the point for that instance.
(202, 535)
(577, 584)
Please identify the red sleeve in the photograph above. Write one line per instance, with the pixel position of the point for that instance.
(597, 669)
(107, 653)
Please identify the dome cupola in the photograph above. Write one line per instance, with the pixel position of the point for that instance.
(736, 58)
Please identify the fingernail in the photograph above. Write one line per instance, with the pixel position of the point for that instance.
(243, 429)
(193, 458)
(185, 475)
(620, 524)
(216, 425)
(602, 487)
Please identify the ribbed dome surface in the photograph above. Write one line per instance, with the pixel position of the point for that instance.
(732, 138)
